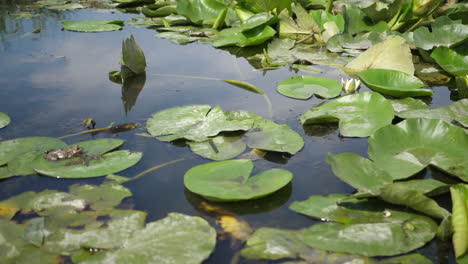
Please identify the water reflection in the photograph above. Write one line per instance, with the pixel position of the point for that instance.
(131, 88)
(320, 130)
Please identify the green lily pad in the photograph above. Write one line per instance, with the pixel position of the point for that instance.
(458, 111)
(425, 39)
(177, 238)
(4, 120)
(452, 61)
(359, 172)
(356, 21)
(12, 241)
(186, 34)
(394, 83)
(229, 181)
(220, 147)
(200, 11)
(408, 103)
(132, 56)
(101, 197)
(359, 115)
(428, 187)
(459, 195)
(272, 243)
(258, 6)
(93, 25)
(421, 142)
(353, 44)
(300, 28)
(104, 164)
(268, 135)
(393, 54)
(304, 87)
(192, 122)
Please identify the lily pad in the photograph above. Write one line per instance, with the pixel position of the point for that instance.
(132, 56)
(302, 28)
(200, 11)
(93, 25)
(229, 181)
(425, 39)
(393, 54)
(304, 87)
(4, 120)
(452, 61)
(101, 197)
(457, 111)
(177, 238)
(104, 164)
(218, 148)
(359, 115)
(459, 195)
(394, 83)
(408, 103)
(421, 142)
(192, 122)
(258, 6)
(268, 135)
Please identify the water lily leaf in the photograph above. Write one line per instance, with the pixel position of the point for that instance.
(200, 11)
(392, 54)
(359, 172)
(101, 197)
(462, 86)
(353, 44)
(408, 103)
(186, 34)
(356, 22)
(192, 122)
(272, 243)
(421, 142)
(425, 39)
(359, 115)
(394, 83)
(302, 28)
(93, 25)
(4, 120)
(452, 61)
(321, 18)
(118, 230)
(457, 111)
(229, 181)
(220, 147)
(258, 6)
(177, 238)
(132, 56)
(428, 187)
(304, 87)
(268, 135)
(11, 149)
(459, 195)
(306, 68)
(372, 239)
(12, 241)
(97, 166)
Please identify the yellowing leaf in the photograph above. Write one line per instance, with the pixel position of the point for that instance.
(393, 54)
(237, 228)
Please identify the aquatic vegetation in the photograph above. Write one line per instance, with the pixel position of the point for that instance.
(304, 87)
(93, 25)
(4, 120)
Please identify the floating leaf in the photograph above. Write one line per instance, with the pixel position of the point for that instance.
(429, 187)
(4, 120)
(229, 181)
(359, 115)
(258, 6)
(177, 238)
(268, 135)
(458, 111)
(101, 197)
(359, 172)
(192, 122)
(200, 11)
(408, 103)
(302, 28)
(218, 148)
(304, 87)
(356, 21)
(12, 241)
(459, 195)
(93, 25)
(394, 83)
(421, 142)
(453, 61)
(392, 54)
(425, 39)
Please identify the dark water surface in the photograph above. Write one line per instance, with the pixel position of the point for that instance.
(51, 81)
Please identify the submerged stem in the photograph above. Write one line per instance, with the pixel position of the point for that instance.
(143, 173)
(95, 130)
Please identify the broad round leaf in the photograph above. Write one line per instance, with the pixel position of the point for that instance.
(459, 195)
(229, 180)
(109, 163)
(394, 83)
(304, 87)
(220, 147)
(451, 61)
(408, 103)
(458, 111)
(359, 115)
(421, 142)
(12, 149)
(193, 122)
(101, 197)
(177, 238)
(93, 25)
(4, 120)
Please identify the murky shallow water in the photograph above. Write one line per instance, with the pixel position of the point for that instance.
(52, 80)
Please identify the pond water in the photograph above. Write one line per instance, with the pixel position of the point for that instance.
(52, 80)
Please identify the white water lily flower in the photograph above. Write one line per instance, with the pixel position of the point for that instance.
(350, 85)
